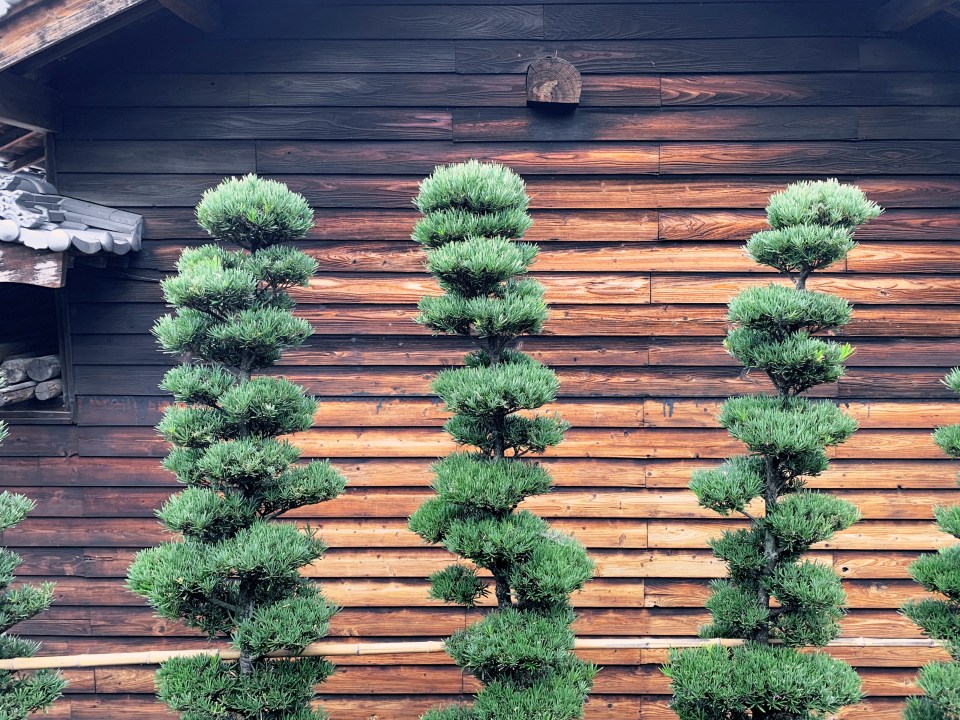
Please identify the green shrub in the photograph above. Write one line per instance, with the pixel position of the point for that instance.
(773, 599)
(236, 572)
(21, 693)
(939, 617)
(522, 651)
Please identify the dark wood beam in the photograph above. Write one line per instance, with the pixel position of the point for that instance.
(45, 25)
(203, 14)
(899, 15)
(12, 137)
(31, 157)
(20, 264)
(28, 104)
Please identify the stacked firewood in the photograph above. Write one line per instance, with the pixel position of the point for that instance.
(23, 378)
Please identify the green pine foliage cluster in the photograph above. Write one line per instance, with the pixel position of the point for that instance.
(21, 693)
(235, 570)
(939, 617)
(773, 598)
(473, 216)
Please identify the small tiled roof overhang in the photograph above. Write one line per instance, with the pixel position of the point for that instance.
(40, 229)
(32, 213)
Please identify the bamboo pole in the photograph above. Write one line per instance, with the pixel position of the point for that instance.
(155, 657)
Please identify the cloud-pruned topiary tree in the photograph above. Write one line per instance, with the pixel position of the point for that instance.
(236, 570)
(773, 599)
(522, 651)
(21, 693)
(939, 617)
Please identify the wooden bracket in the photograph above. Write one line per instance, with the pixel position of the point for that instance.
(553, 83)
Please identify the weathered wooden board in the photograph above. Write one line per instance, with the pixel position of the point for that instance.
(806, 89)
(20, 264)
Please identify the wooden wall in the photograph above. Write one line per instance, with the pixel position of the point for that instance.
(692, 114)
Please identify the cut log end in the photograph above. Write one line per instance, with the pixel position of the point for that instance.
(49, 389)
(43, 368)
(552, 82)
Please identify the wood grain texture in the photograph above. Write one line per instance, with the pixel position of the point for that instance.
(667, 56)
(256, 123)
(804, 89)
(691, 115)
(306, 19)
(480, 124)
(872, 158)
(643, 20)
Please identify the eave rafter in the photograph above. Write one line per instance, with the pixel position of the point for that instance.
(54, 28)
(899, 15)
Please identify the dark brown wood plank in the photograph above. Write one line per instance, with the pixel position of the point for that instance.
(453, 90)
(306, 19)
(623, 289)
(874, 158)
(665, 56)
(337, 412)
(902, 257)
(930, 53)
(885, 123)
(870, 352)
(833, 88)
(332, 350)
(695, 124)
(366, 257)
(162, 90)
(266, 56)
(157, 156)
(936, 224)
(715, 382)
(578, 288)
(413, 381)
(256, 123)
(565, 320)
(858, 289)
(650, 20)
(422, 157)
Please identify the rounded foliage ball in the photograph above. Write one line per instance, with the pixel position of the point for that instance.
(254, 213)
(827, 203)
(473, 187)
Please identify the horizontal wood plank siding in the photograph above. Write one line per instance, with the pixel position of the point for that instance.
(692, 114)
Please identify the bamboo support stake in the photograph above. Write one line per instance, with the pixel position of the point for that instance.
(155, 657)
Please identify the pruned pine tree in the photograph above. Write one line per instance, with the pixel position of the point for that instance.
(939, 617)
(21, 693)
(522, 650)
(774, 599)
(235, 571)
